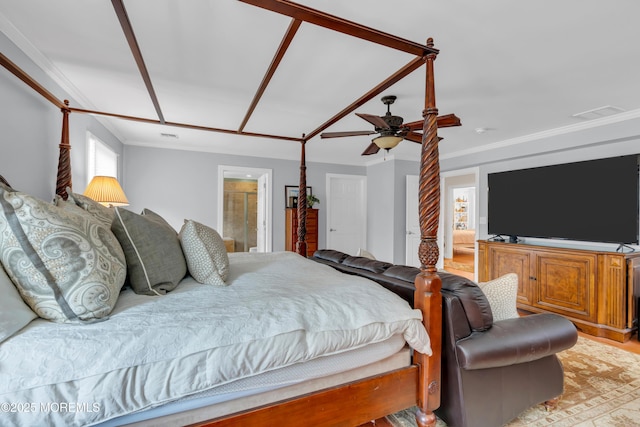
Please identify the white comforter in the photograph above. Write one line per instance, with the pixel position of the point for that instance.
(279, 309)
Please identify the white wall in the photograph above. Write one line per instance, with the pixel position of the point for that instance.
(386, 208)
(32, 128)
(182, 185)
(381, 214)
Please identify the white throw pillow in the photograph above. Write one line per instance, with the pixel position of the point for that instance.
(205, 252)
(14, 313)
(502, 294)
(67, 265)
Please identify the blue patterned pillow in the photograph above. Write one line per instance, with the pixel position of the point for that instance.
(66, 265)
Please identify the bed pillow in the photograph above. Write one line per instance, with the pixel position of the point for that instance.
(102, 213)
(205, 252)
(66, 265)
(14, 313)
(502, 294)
(155, 262)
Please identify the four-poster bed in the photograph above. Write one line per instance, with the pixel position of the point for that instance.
(371, 397)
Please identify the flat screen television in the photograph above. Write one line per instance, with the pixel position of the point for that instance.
(594, 201)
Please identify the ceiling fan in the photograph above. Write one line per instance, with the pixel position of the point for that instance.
(391, 128)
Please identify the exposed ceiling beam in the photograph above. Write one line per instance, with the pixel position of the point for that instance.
(121, 12)
(384, 85)
(17, 71)
(183, 125)
(282, 49)
(26, 78)
(344, 26)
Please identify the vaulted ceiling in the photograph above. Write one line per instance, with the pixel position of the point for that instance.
(511, 71)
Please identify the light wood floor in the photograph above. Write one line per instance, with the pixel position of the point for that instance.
(465, 259)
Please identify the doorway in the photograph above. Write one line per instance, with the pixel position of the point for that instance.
(241, 213)
(244, 208)
(459, 219)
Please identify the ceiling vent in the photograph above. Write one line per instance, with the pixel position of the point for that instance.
(598, 113)
(169, 135)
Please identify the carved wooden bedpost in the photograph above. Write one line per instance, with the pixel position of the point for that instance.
(64, 161)
(428, 284)
(301, 244)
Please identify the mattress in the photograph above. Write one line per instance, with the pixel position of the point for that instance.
(279, 309)
(274, 385)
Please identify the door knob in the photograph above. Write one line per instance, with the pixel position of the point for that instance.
(332, 229)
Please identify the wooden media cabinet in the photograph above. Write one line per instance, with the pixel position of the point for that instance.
(597, 290)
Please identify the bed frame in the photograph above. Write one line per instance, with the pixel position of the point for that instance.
(358, 402)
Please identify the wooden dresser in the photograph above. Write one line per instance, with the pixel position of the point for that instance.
(597, 290)
(291, 230)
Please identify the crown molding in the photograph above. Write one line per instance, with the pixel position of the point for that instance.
(591, 124)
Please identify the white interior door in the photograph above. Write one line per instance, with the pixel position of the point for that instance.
(346, 213)
(262, 213)
(413, 222)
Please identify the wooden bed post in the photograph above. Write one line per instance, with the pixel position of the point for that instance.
(301, 244)
(428, 284)
(64, 161)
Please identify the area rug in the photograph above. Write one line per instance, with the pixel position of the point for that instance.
(601, 389)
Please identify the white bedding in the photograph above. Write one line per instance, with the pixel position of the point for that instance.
(154, 349)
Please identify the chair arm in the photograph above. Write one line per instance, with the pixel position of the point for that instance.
(513, 341)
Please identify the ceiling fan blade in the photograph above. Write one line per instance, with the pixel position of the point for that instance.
(348, 133)
(371, 149)
(417, 125)
(417, 137)
(414, 137)
(374, 120)
(448, 120)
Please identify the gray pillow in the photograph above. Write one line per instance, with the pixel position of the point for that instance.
(102, 213)
(67, 265)
(205, 252)
(155, 262)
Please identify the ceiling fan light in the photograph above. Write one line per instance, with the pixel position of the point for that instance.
(387, 141)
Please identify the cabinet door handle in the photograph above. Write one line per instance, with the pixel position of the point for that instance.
(532, 278)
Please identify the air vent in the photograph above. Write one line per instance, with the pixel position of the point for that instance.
(598, 113)
(169, 135)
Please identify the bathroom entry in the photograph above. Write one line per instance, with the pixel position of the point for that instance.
(241, 214)
(244, 208)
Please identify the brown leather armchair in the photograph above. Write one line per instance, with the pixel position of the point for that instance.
(491, 371)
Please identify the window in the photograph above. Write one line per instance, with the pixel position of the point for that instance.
(102, 159)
